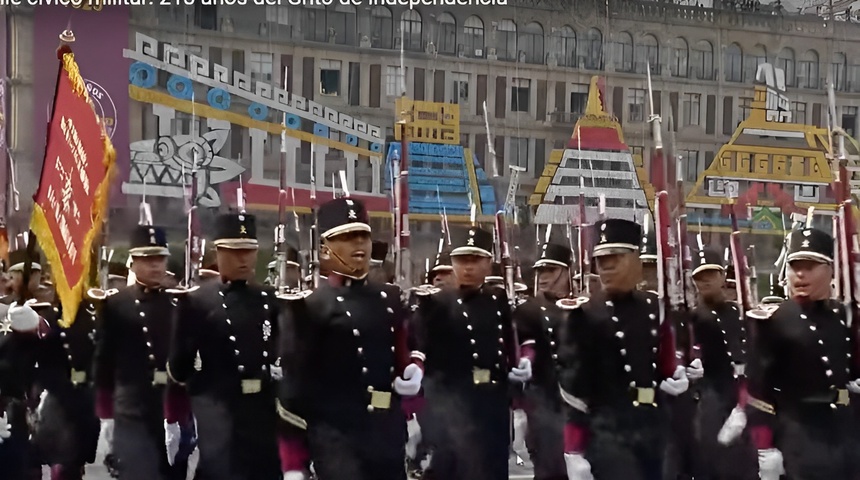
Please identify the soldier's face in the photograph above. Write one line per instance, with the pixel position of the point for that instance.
(16, 279)
(348, 253)
(809, 279)
(150, 270)
(619, 273)
(471, 270)
(553, 279)
(444, 278)
(710, 284)
(237, 263)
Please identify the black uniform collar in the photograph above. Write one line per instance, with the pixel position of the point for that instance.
(147, 289)
(340, 280)
(235, 284)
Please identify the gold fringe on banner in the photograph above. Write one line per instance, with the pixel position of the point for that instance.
(71, 295)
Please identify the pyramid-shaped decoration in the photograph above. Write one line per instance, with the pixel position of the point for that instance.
(596, 160)
(769, 162)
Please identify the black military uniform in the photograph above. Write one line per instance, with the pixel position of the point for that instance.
(721, 342)
(130, 371)
(223, 347)
(538, 320)
(442, 264)
(347, 344)
(801, 369)
(470, 345)
(613, 355)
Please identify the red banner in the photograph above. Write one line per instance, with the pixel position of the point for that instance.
(71, 200)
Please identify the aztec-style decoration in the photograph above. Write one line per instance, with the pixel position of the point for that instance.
(776, 166)
(162, 166)
(443, 176)
(596, 160)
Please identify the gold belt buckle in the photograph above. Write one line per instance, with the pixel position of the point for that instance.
(644, 396)
(740, 369)
(480, 375)
(78, 377)
(842, 397)
(252, 385)
(379, 399)
(159, 378)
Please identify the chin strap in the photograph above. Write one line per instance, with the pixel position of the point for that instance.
(342, 262)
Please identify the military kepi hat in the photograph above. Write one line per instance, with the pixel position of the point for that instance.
(553, 254)
(148, 241)
(342, 215)
(708, 259)
(810, 244)
(614, 236)
(378, 252)
(18, 258)
(648, 247)
(236, 231)
(472, 241)
(443, 262)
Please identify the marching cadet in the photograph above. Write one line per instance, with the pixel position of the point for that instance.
(133, 399)
(223, 347)
(347, 350)
(614, 351)
(648, 255)
(467, 337)
(34, 288)
(538, 319)
(721, 342)
(19, 342)
(208, 272)
(801, 372)
(380, 269)
(442, 273)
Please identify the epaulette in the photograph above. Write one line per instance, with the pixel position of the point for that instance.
(181, 290)
(763, 312)
(293, 296)
(425, 290)
(100, 294)
(520, 287)
(571, 303)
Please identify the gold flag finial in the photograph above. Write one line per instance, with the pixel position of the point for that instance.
(67, 36)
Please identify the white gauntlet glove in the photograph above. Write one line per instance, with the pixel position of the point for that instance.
(695, 371)
(172, 435)
(770, 465)
(410, 383)
(22, 318)
(676, 385)
(733, 426)
(5, 428)
(413, 431)
(854, 386)
(521, 373)
(106, 433)
(521, 426)
(578, 467)
(294, 475)
(276, 371)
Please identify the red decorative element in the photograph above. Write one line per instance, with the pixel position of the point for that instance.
(667, 361)
(177, 404)
(293, 453)
(596, 138)
(658, 170)
(268, 195)
(762, 437)
(412, 405)
(575, 438)
(782, 199)
(104, 403)
(402, 355)
(528, 351)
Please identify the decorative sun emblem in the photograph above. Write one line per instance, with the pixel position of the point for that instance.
(471, 242)
(5, 326)
(805, 244)
(352, 215)
(267, 330)
(602, 238)
(243, 230)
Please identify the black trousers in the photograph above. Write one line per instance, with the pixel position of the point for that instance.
(372, 448)
(139, 446)
(712, 460)
(819, 443)
(18, 458)
(545, 435)
(627, 443)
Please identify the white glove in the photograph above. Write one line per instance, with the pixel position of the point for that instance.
(733, 426)
(410, 383)
(276, 371)
(5, 428)
(521, 373)
(676, 385)
(413, 430)
(695, 371)
(22, 318)
(106, 433)
(578, 467)
(294, 475)
(172, 435)
(854, 386)
(770, 465)
(521, 425)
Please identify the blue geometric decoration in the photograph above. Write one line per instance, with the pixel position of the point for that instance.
(293, 121)
(376, 147)
(258, 111)
(320, 130)
(180, 87)
(487, 192)
(142, 75)
(437, 178)
(351, 140)
(218, 98)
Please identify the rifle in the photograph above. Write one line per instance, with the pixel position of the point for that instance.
(400, 164)
(666, 286)
(194, 244)
(281, 228)
(751, 261)
(314, 250)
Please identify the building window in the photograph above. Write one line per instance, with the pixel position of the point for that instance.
(623, 53)
(755, 57)
(849, 119)
(578, 98)
(636, 104)
(473, 37)
(592, 50)
(519, 156)
(734, 63)
(799, 112)
(746, 108)
(206, 16)
(278, 14)
(531, 43)
(410, 25)
(652, 56)
(330, 77)
(395, 81)
(837, 70)
(261, 66)
(567, 47)
(460, 88)
(785, 61)
(691, 109)
(381, 27)
(807, 70)
(447, 34)
(692, 167)
(702, 63)
(506, 40)
(680, 56)
(520, 90)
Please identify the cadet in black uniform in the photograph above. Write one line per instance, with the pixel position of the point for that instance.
(293, 273)
(381, 270)
(613, 354)
(347, 350)
(648, 255)
(19, 341)
(471, 353)
(538, 320)
(442, 273)
(223, 347)
(801, 372)
(130, 366)
(721, 341)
